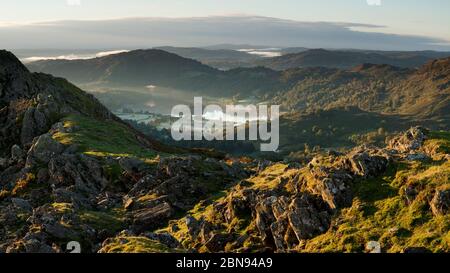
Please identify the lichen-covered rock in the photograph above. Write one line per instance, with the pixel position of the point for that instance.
(83, 174)
(332, 181)
(440, 205)
(366, 162)
(283, 223)
(308, 216)
(264, 218)
(332, 185)
(152, 217)
(238, 203)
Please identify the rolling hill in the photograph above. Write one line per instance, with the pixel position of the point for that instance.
(223, 59)
(153, 67)
(421, 94)
(139, 67)
(349, 58)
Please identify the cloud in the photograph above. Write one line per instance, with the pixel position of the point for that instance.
(72, 56)
(73, 2)
(374, 2)
(266, 52)
(132, 33)
(106, 53)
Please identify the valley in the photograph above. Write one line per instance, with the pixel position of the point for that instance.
(331, 106)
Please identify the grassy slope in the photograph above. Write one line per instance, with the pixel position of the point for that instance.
(101, 138)
(135, 245)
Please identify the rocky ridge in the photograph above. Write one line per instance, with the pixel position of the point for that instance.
(285, 208)
(60, 182)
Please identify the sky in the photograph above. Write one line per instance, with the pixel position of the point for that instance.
(403, 17)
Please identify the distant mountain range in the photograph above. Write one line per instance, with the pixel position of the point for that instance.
(229, 56)
(155, 67)
(226, 57)
(325, 79)
(349, 58)
(219, 58)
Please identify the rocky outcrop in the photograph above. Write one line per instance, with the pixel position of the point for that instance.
(285, 223)
(44, 149)
(38, 119)
(365, 162)
(151, 217)
(298, 206)
(176, 185)
(31, 103)
(332, 182)
(411, 140)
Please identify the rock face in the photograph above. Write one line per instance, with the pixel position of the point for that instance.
(285, 223)
(31, 103)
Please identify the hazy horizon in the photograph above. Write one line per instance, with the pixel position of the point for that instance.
(116, 25)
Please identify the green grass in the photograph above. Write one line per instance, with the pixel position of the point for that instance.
(102, 138)
(113, 221)
(135, 245)
(379, 188)
(113, 171)
(79, 99)
(440, 141)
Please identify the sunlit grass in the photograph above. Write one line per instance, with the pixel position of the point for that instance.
(102, 138)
